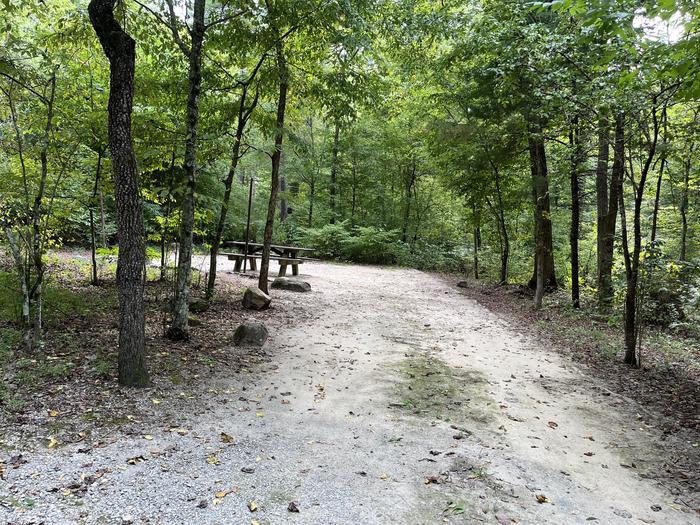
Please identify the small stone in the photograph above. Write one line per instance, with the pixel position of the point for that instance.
(463, 284)
(293, 506)
(248, 470)
(256, 299)
(127, 519)
(250, 334)
(203, 504)
(291, 284)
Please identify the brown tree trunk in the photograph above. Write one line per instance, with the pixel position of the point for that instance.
(543, 222)
(120, 49)
(179, 328)
(334, 170)
(276, 157)
(244, 114)
(632, 322)
(575, 145)
(93, 243)
(684, 207)
(601, 184)
(659, 179)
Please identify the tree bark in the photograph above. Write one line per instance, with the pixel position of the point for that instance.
(93, 243)
(276, 157)
(632, 321)
(659, 179)
(179, 328)
(244, 114)
(575, 146)
(543, 222)
(604, 258)
(334, 170)
(120, 49)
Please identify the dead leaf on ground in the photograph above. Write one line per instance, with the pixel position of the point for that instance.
(293, 506)
(589, 454)
(213, 460)
(225, 438)
(135, 460)
(552, 424)
(223, 493)
(541, 498)
(252, 506)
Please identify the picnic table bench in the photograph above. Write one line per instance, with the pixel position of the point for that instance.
(284, 255)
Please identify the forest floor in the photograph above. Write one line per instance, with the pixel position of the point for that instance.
(383, 396)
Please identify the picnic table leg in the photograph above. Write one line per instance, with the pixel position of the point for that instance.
(295, 269)
(283, 270)
(237, 265)
(253, 264)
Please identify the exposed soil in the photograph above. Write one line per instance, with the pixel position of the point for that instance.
(383, 396)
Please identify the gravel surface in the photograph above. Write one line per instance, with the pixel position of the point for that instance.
(382, 396)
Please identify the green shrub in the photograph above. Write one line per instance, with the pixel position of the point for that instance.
(371, 245)
(327, 241)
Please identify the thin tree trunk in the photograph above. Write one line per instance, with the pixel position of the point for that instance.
(659, 179)
(276, 157)
(93, 247)
(575, 146)
(179, 328)
(505, 246)
(476, 235)
(120, 49)
(601, 183)
(334, 170)
(684, 208)
(631, 312)
(244, 114)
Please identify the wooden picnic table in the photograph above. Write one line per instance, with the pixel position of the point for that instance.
(281, 250)
(285, 255)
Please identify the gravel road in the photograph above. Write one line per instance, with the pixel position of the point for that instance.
(384, 396)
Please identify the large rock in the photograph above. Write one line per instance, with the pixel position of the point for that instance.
(250, 334)
(291, 284)
(256, 299)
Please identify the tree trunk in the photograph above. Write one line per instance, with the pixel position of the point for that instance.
(604, 258)
(244, 114)
(93, 241)
(276, 157)
(179, 328)
(632, 322)
(120, 49)
(312, 196)
(659, 179)
(543, 222)
(687, 165)
(334, 169)
(575, 145)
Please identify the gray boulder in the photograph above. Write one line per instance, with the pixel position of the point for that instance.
(256, 299)
(250, 334)
(291, 284)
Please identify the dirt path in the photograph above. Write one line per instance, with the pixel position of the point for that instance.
(387, 396)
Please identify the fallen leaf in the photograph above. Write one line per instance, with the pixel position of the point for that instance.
(225, 438)
(552, 424)
(589, 454)
(53, 413)
(293, 506)
(156, 401)
(52, 442)
(135, 460)
(259, 414)
(223, 493)
(148, 437)
(384, 476)
(252, 506)
(2, 470)
(213, 460)
(541, 498)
